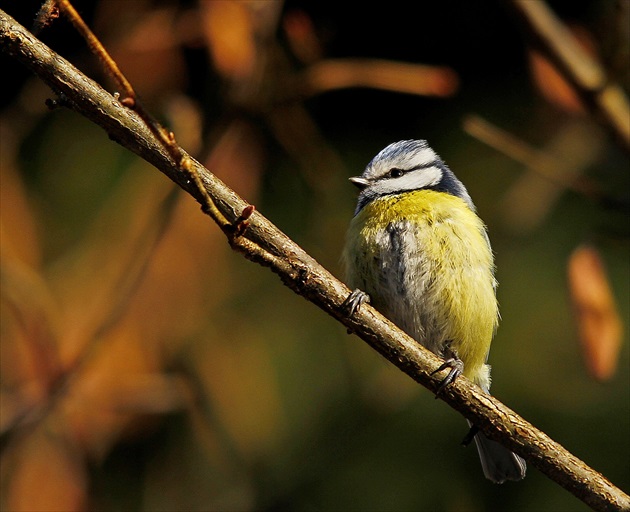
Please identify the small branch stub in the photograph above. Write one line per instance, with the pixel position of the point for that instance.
(242, 223)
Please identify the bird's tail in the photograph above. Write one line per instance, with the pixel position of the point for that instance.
(499, 464)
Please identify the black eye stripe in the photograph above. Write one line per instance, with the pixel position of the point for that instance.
(396, 172)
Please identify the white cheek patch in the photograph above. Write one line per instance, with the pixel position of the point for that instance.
(412, 180)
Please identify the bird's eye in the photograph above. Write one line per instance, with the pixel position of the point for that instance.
(396, 173)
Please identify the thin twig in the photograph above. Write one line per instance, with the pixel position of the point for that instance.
(48, 12)
(128, 94)
(130, 99)
(207, 203)
(265, 243)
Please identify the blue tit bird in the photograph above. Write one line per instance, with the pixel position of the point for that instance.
(418, 250)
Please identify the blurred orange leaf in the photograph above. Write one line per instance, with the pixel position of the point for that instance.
(229, 29)
(301, 36)
(599, 325)
(18, 226)
(150, 54)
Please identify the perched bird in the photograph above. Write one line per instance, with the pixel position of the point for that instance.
(417, 249)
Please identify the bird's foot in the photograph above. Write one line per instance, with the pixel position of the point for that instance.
(471, 435)
(352, 304)
(456, 368)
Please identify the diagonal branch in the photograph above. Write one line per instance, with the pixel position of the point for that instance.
(264, 243)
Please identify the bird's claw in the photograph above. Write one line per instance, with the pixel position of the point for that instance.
(456, 369)
(471, 435)
(354, 301)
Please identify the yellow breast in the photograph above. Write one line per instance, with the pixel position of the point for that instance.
(424, 259)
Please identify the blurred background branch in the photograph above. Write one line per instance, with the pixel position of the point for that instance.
(328, 75)
(582, 71)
